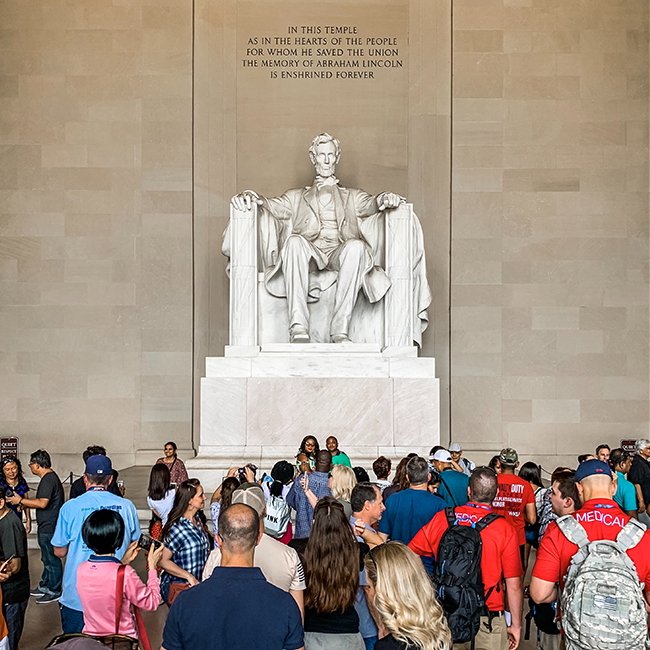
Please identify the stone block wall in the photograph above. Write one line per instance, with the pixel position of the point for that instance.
(539, 262)
(96, 226)
(549, 307)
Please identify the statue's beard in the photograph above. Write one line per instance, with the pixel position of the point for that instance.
(325, 171)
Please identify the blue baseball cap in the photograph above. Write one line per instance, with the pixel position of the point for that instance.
(593, 467)
(99, 465)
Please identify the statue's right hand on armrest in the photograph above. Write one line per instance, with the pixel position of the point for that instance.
(245, 200)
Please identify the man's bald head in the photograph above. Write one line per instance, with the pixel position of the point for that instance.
(239, 528)
(596, 487)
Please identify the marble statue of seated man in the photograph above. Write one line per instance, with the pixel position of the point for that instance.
(325, 229)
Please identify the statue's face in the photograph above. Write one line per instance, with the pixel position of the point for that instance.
(325, 159)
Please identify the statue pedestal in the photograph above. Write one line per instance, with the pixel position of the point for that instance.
(257, 404)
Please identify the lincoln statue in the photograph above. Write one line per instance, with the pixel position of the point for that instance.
(319, 236)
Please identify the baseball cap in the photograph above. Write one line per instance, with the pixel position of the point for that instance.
(593, 467)
(250, 494)
(442, 455)
(99, 465)
(454, 446)
(508, 456)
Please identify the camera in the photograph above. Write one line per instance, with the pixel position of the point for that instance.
(9, 492)
(241, 472)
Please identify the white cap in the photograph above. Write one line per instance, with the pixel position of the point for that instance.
(442, 455)
(454, 446)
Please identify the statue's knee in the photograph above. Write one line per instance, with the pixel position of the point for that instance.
(294, 241)
(295, 251)
(355, 248)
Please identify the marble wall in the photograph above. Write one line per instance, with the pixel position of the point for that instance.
(549, 310)
(125, 126)
(96, 226)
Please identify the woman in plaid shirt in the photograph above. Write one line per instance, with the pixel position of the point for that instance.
(185, 539)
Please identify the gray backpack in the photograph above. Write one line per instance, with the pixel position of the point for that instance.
(602, 602)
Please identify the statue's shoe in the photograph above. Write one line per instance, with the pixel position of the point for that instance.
(340, 338)
(299, 334)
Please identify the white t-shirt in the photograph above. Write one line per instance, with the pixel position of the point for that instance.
(266, 487)
(163, 506)
(382, 483)
(279, 563)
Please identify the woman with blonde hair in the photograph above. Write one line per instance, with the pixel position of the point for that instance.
(341, 483)
(405, 600)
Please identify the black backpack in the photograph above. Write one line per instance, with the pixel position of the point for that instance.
(544, 616)
(457, 575)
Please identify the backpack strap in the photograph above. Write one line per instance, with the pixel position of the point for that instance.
(483, 523)
(450, 513)
(573, 531)
(631, 535)
(119, 595)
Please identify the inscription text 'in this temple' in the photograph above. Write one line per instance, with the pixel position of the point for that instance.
(323, 52)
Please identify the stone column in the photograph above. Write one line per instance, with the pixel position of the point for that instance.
(399, 256)
(243, 277)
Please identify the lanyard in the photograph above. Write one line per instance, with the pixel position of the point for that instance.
(96, 488)
(478, 505)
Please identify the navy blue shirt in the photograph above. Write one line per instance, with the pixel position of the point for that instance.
(234, 609)
(453, 487)
(407, 511)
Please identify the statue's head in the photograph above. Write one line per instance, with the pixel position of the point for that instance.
(325, 152)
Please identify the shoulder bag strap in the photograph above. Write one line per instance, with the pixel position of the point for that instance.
(142, 630)
(451, 494)
(119, 595)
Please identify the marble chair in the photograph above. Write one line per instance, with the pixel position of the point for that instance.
(257, 318)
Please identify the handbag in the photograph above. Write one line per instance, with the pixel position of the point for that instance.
(139, 622)
(174, 589)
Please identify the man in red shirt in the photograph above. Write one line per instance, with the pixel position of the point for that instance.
(601, 518)
(515, 499)
(500, 559)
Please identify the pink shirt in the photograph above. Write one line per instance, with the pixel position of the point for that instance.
(96, 580)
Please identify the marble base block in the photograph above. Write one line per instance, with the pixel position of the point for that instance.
(258, 408)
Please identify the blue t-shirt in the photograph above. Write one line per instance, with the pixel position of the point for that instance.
(625, 493)
(72, 515)
(453, 487)
(235, 608)
(407, 511)
(367, 626)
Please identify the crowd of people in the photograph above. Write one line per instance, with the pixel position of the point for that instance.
(317, 555)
